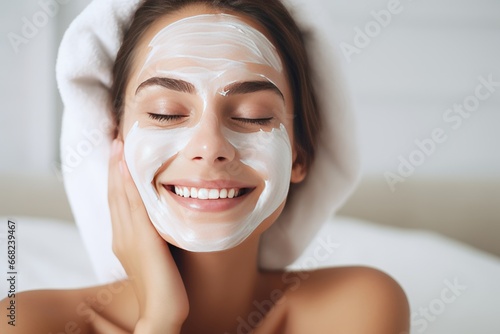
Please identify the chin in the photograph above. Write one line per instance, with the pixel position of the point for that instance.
(213, 245)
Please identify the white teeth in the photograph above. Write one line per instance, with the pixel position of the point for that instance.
(204, 193)
(213, 194)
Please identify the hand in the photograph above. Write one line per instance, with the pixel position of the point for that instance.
(144, 254)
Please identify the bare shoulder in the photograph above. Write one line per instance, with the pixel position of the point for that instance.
(347, 299)
(98, 309)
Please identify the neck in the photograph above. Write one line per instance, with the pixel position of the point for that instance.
(221, 286)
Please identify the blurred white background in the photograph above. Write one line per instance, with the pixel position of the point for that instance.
(422, 60)
(31, 110)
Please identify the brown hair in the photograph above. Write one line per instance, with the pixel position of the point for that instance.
(286, 35)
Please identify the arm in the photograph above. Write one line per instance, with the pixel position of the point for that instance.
(43, 312)
(80, 311)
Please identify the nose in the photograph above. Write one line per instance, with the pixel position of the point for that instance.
(208, 144)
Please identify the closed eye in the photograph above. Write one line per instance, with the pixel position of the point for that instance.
(258, 121)
(165, 118)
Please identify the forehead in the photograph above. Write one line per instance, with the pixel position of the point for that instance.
(213, 37)
(201, 42)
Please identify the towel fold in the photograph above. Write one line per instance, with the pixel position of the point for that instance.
(84, 66)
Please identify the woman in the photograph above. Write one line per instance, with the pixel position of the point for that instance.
(215, 116)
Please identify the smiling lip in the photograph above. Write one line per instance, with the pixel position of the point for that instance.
(211, 196)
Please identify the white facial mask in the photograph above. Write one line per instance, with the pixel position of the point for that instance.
(269, 153)
(211, 52)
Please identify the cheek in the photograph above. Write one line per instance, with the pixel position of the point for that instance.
(147, 149)
(269, 220)
(266, 152)
(290, 123)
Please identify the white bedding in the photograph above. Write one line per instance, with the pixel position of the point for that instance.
(452, 288)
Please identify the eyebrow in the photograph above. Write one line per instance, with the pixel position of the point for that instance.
(245, 87)
(240, 87)
(169, 83)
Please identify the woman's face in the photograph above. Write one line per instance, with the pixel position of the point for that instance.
(208, 129)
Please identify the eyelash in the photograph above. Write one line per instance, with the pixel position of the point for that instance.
(165, 118)
(258, 121)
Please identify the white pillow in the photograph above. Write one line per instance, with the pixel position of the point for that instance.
(50, 254)
(451, 287)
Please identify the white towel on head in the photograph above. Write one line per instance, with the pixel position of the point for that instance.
(84, 65)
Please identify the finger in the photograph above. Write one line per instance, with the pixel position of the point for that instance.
(138, 214)
(134, 198)
(117, 199)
